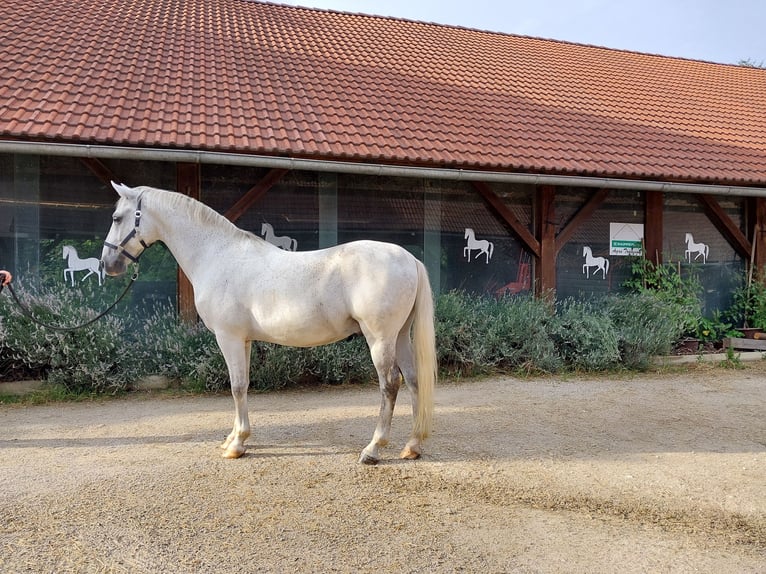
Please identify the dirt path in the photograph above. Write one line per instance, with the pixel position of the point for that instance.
(639, 474)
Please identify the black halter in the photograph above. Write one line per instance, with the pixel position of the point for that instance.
(129, 236)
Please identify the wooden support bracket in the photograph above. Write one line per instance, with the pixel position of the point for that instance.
(254, 194)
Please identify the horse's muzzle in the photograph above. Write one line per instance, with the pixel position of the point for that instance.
(113, 262)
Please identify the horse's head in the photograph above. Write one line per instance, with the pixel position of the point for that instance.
(468, 232)
(688, 237)
(65, 251)
(124, 242)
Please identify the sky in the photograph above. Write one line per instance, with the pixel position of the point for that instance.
(723, 31)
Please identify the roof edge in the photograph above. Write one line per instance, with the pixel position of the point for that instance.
(382, 170)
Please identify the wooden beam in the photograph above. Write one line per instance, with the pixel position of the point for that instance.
(725, 225)
(254, 194)
(545, 270)
(527, 238)
(582, 215)
(100, 170)
(653, 226)
(187, 182)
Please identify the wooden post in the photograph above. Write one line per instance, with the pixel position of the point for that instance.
(545, 224)
(653, 226)
(760, 234)
(187, 182)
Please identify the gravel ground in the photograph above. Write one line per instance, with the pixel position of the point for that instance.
(649, 473)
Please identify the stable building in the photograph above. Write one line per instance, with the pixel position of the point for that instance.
(508, 164)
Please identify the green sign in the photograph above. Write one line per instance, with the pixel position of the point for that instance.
(625, 238)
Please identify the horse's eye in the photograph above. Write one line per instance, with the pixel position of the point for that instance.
(116, 219)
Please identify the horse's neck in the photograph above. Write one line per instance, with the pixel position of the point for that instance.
(194, 242)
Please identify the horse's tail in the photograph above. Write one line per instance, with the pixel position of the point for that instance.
(491, 249)
(606, 266)
(424, 338)
(293, 244)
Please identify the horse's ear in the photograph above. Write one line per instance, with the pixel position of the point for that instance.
(121, 189)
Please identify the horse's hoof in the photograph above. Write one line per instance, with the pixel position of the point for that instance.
(409, 454)
(365, 458)
(234, 452)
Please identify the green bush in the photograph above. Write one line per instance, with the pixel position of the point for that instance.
(667, 282)
(518, 334)
(164, 345)
(475, 335)
(585, 336)
(748, 308)
(478, 335)
(458, 326)
(88, 359)
(346, 361)
(645, 325)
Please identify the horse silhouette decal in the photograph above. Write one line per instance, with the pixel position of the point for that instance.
(698, 248)
(480, 245)
(281, 241)
(74, 263)
(600, 263)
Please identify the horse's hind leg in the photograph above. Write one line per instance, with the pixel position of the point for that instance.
(406, 362)
(390, 379)
(237, 355)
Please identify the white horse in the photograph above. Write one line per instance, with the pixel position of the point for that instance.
(600, 263)
(246, 289)
(698, 248)
(281, 241)
(74, 263)
(472, 244)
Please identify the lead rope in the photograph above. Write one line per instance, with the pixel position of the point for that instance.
(34, 319)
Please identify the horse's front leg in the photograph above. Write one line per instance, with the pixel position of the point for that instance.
(236, 352)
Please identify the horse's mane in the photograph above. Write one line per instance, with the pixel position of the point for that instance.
(201, 213)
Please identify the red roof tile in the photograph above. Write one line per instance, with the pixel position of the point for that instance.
(244, 76)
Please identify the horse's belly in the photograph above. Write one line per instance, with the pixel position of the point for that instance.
(303, 333)
(292, 323)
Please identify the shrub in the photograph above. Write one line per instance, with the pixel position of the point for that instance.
(88, 359)
(189, 353)
(459, 325)
(164, 345)
(346, 361)
(518, 334)
(665, 282)
(646, 325)
(748, 308)
(475, 335)
(585, 336)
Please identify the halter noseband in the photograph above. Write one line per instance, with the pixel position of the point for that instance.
(129, 236)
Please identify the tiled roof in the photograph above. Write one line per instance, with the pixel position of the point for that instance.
(250, 77)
